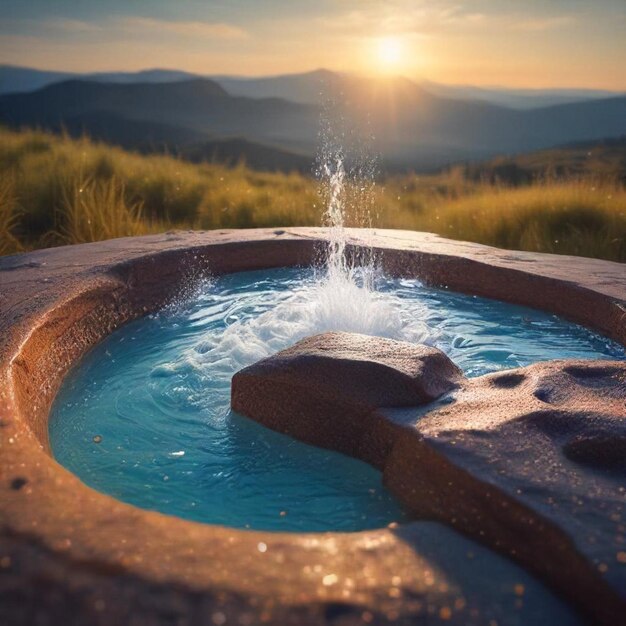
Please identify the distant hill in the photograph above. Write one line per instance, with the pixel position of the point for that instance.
(115, 129)
(419, 128)
(198, 104)
(143, 76)
(304, 88)
(19, 79)
(131, 116)
(153, 137)
(311, 88)
(15, 79)
(412, 128)
(414, 125)
(604, 159)
(522, 99)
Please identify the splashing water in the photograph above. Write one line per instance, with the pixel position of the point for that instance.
(335, 302)
(335, 177)
(343, 297)
(146, 416)
(160, 386)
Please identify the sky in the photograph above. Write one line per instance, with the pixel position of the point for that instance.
(514, 43)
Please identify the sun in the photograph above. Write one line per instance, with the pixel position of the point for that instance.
(389, 53)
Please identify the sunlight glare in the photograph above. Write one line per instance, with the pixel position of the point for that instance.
(389, 52)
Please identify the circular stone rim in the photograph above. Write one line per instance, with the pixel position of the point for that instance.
(57, 303)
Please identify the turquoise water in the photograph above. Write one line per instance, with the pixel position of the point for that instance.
(145, 415)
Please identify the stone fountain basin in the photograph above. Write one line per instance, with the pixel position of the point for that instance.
(67, 551)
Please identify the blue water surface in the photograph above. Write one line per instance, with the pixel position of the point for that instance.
(145, 417)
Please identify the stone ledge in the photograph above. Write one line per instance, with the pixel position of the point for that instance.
(56, 532)
(526, 461)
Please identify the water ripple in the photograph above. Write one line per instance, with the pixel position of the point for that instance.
(161, 385)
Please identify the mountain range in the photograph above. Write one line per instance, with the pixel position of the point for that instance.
(274, 122)
(302, 88)
(16, 79)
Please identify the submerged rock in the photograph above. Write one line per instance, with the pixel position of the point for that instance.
(530, 462)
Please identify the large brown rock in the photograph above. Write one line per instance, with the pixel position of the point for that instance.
(531, 462)
(324, 389)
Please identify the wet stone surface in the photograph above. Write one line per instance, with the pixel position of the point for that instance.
(324, 389)
(529, 462)
(69, 554)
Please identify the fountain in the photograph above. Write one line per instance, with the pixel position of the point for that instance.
(98, 375)
(145, 417)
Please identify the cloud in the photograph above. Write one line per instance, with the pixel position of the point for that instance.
(543, 24)
(420, 17)
(113, 27)
(72, 26)
(394, 17)
(215, 30)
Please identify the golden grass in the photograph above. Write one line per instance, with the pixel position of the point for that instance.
(95, 210)
(9, 218)
(574, 217)
(56, 190)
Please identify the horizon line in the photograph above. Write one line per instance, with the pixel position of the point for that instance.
(314, 70)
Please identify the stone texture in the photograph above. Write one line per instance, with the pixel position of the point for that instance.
(529, 462)
(70, 554)
(323, 389)
(421, 573)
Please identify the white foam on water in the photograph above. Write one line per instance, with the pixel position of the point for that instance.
(335, 302)
(343, 296)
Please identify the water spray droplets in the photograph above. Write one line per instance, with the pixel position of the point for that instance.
(342, 296)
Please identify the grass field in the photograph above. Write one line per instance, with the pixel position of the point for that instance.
(56, 190)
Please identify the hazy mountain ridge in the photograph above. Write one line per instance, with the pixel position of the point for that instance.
(15, 79)
(199, 104)
(303, 88)
(522, 99)
(412, 127)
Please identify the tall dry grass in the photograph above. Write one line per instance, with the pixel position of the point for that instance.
(576, 217)
(94, 210)
(9, 217)
(56, 190)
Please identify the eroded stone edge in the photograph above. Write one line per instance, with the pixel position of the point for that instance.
(53, 513)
